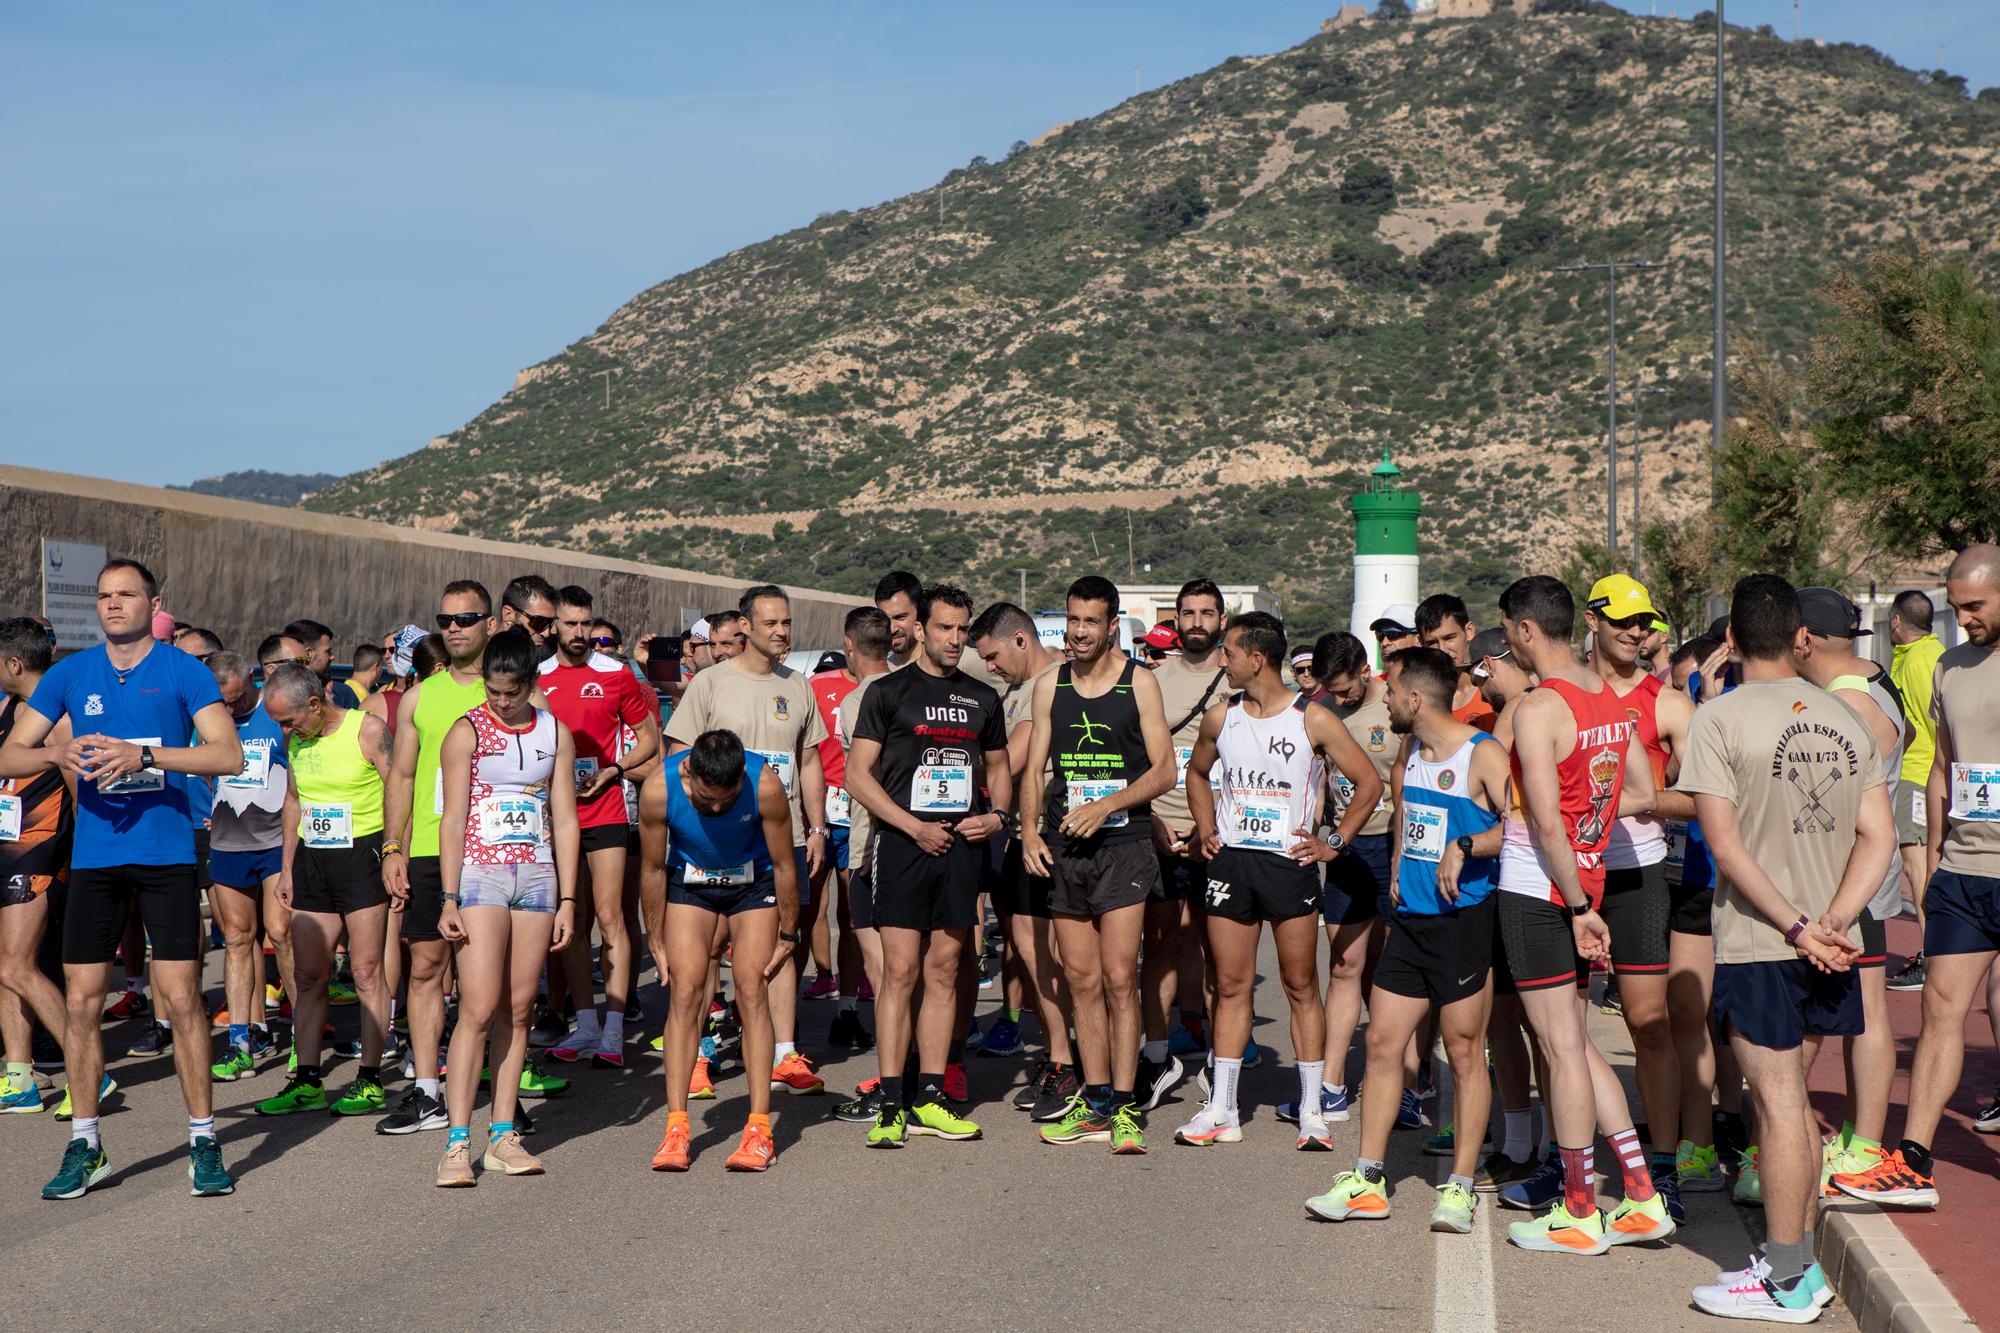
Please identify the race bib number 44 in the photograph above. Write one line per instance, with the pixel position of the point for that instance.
(1975, 793)
(328, 826)
(1423, 833)
(510, 821)
(1083, 793)
(941, 789)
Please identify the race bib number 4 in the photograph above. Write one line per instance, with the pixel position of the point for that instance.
(1083, 793)
(328, 826)
(839, 810)
(144, 780)
(510, 821)
(941, 789)
(727, 877)
(256, 768)
(1423, 833)
(1258, 826)
(781, 764)
(10, 819)
(1677, 843)
(1975, 793)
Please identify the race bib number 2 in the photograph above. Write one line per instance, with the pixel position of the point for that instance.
(1084, 792)
(1975, 793)
(256, 767)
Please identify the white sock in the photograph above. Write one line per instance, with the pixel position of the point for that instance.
(1311, 1074)
(586, 1024)
(614, 1028)
(1156, 1051)
(1337, 1089)
(1519, 1133)
(85, 1127)
(1222, 1084)
(780, 1051)
(136, 984)
(203, 1128)
(429, 1087)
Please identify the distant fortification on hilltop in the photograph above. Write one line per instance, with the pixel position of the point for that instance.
(1423, 11)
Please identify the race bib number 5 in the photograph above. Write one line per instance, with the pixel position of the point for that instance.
(941, 789)
(781, 764)
(1975, 792)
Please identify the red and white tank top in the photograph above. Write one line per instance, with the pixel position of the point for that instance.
(508, 820)
(1590, 780)
(1641, 840)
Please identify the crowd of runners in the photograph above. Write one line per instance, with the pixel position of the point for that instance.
(469, 838)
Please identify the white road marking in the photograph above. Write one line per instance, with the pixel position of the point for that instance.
(1462, 1266)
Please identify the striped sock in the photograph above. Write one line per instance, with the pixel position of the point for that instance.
(1632, 1163)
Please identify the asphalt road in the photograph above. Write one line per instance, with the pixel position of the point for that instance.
(334, 1226)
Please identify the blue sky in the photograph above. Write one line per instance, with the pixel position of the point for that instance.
(310, 238)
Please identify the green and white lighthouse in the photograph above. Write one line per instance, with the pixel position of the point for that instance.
(1385, 547)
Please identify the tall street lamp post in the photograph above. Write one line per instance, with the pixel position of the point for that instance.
(1610, 268)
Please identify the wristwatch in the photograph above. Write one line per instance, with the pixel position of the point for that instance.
(817, 833)
(1335, 841)
(1007, 818)
(1581, 909)
(145, 756)
(1465, 846)
(789, 936)
(1798, 929)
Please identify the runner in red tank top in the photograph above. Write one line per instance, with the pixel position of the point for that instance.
(1590, 777)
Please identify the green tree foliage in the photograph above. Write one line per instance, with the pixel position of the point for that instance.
(1908, 373)
(1525, 237)
(1456, 256)
(1679, 571)
(1170, 209)
(1367, 185)
(1774, 510)
(1392, 9)
(284, 489)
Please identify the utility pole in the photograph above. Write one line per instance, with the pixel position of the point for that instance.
(1639, 393)
(1131, 565)
(1719, 388)
(1024, 589)
(605, 375)
(1610, 267)
(1135, 80)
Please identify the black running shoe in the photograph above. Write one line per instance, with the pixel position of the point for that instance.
(1054, 1095)
(157, 1039)
(1156, 1080)
(416, 1110)
(1910, 978)
(865, 1107)
(1024, 1100)
(847, 1033)
(1498, 1170)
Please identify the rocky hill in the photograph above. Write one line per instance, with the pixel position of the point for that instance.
(1208, 309)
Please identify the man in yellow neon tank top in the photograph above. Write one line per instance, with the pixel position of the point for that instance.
(413, 807)
(338, 762)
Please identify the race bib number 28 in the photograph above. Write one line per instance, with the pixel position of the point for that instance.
(1423, 833)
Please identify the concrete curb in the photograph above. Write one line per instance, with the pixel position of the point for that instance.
(1879, 1275)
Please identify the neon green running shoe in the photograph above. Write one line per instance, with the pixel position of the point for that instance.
(298, 1095)
(1699, 1169)
(339, 993)
(105, 1088)
(20, 1096)
(890, 1129)
(1749, 1187)
(1441, 1144)
(1634, 1223)
(1127, 1137)
(1557, 1232)
(1080, 1123)
(936, 1120)
(239, 1063)
(1454, 1210)
(658, 1043)
(534, 1082)
(362, 1097)
(1352, 1195)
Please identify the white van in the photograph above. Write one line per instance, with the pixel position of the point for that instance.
(1052, 627)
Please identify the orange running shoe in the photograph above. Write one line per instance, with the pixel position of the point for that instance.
(672, 1154)
(1891, 1181)
(795, 1075)
(755, 1152)
(700, 1087)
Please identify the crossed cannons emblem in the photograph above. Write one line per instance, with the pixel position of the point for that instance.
(1814, 813)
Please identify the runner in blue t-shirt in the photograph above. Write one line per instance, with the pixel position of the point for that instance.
(134, 837)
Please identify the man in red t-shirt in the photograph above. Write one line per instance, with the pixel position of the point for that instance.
(616, 723)
(830, 685)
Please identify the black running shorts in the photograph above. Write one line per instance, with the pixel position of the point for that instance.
(1690, 909)
(1442, 958)
(339, 879)
(1251, 886)
(1092, 880)
(1638, 910)
(426, 905)
(917, 891)
(100, 901)
(1015, 891)
(1537, 946)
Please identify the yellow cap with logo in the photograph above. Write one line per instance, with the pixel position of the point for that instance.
(1620, 597)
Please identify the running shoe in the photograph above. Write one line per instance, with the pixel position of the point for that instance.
(298, 1095)
(1053, 1096)
(1181, 1041)
(536, 1083)
(864, 1107)
(239, 1063)
(1891, 1181)
(105, 1087)
(364, 1096)
(1441, 1144)
(1556, 1232)
(1334, 1106)
(701, 1088)
(1757, 1298)
(864, 991)
(20, 1096)
(1910, 978)
(506, 1155)
(1127, 1136)
(157, 1039)
(794, 1074)
(1253, 1054)
(755, 1151)
(847, 1034)
(824, 985)
(455, 1167)
(936, 1120)
(890, 1129)
(129, 1004)
(1759, 1268)
(1988, 1119)
(1156, 1080)
(1749, 1189)
(1666, 1182)
(524, 1124)
(1455, 1207)
(1700, 1169)
(658, 1045)
(1542, 1188)
(548, 1030)
(1352, 1195)
(1498, 1171)
(1634, 1222)
(577, 1045)
(1081, 1123)
(415, 1112)
(673, 1152)
(1410, 1113)
(1314, 1136)
(338, 992)
(1210, 1126)
(1611, 1003)
(45, 1052)
(1002, 1038)
(207, 1177)
(82, 1167)
(957, 1090)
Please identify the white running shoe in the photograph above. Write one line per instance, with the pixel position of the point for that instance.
(1210, 1126)
(1314, 1136)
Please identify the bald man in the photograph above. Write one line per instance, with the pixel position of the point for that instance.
(1962, 901)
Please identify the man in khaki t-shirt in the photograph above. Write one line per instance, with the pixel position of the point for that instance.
(1787, 783)
(1962, 901)
(771, 709)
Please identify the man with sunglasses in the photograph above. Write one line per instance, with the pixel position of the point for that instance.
(602, 704)
(412, 811)
(530, 602)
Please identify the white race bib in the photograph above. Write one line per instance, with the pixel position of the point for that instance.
(941, 789)
(328, 826)
(1918, 814)
(1183, 756)
(586, 773)
(437, 793)
(144, 780)
(729, 877)
(1083, 793)
(1258, 826)
(1423, 833)
(1975, 793)
(510, 821)
(256, 768)
(839, 809)
(1677, 843)
(10, 819)
(781, 764)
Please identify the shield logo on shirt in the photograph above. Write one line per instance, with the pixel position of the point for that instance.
(1376, 739)
(93, 706)
(781, 708)
(591, 690)
(1446, 780)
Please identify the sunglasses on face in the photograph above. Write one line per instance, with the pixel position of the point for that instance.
(605, 641)
(538, 624)
(282, 661)
(462, 619)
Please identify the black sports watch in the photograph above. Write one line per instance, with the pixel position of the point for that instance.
(789, 936)
(1465, 845)
(1335, 841)
(145, 756)
(1582, 909)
